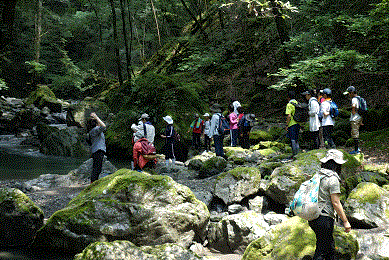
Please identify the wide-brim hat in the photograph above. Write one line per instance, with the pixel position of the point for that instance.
(168, 119)
(349, 90)
(144, 116)
(216, 108)
(206, 114)
(335, 155)
(305, 93)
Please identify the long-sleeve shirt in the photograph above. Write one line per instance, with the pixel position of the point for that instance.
(314, 109)
(214, 125)
(233, 120)
(97, 138)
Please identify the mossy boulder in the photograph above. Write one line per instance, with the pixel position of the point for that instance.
(285, 180)
(78, 114)
(266, 168)
(367, 206)
(127, 205)
(237, 184)
(294, 239)
(259, 135)
(126, 250)
(378, 168)
(269, 144)
(42, 97)
(235, 232)
(68, 142)
(20, 218)
(213, 166)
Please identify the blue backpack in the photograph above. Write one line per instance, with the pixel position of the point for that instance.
(224, 126)
(334, 111)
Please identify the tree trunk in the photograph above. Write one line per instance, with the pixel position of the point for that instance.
(194, 18)
(98, 20)
(131, 37)
(38, 31)
(116, 42)
(156, 23)
(128, 60)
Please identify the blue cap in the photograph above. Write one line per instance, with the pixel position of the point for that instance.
(327, 91)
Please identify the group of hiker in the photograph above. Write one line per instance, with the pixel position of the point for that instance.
(321, 112)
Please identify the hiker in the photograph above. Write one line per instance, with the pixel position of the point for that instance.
(236, 104)
(233, 119)
(146, 126)
(320, 98)
(96, 139)
(214, 131)
(314, 122)
(170, 138)
(140, 159)
(292, 127)
(197, 128)
(328, 121)
(329, 202)
(355, 118)
(207, 129)
(244, 126)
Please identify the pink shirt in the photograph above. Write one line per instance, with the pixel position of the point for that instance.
(233, 120)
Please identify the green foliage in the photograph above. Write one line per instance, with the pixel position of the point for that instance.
(36, 67)
(332, 69)
(3, 85)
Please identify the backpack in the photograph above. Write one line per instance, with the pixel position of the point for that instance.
(362, 110)
(224, 126)
(147, 148)
(305, 201)
(301, 112)
(334, 111)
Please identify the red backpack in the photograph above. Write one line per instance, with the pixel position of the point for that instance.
(147, 147)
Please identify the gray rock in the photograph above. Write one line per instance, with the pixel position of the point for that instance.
(235, 209)
(236, 184)
(212, 167)
(144, 209)
(256, 204)
(274, 219)
(20, 218)
(373, 243)
(235, 232)
(129, 251)
(85, 170)
(367, 206)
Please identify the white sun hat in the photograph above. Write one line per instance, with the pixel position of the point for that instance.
(335, 155)
(168, 119)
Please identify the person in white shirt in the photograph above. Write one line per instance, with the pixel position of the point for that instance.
(207, 129)
(146, 127)
(355, 118)
(314, 122)
(328, 121)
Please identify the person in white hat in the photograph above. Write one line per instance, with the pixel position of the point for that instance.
(329, 202)
(207, 129)
(170, 139)
(147, 128)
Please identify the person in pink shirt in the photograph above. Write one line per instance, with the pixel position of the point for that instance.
(233, 118)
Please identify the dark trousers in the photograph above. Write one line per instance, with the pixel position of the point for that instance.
(218, 140)
(234, 137)
(244, 138)
(323, 227)
(293, 135)
(97, 165)
(327, 135)
(207, 142)
(196, 140)
(315, 140)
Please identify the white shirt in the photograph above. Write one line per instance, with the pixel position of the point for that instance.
(355, 103)
(207, 127)
(150, 132)
(314, 109)
(325, 108)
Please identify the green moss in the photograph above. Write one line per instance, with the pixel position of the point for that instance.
(260, 135)
(367, 193)
(377, 140)
(269, 151)
(380, 168)
(20, 200)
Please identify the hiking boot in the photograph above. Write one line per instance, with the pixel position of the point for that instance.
(355, 152)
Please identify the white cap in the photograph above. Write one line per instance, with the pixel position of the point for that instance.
(168, 119)
(335, 155)
(206, 114)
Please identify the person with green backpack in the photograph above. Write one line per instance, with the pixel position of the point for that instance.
(358, 107)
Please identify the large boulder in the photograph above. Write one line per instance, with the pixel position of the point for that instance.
(127, 205)
(293, 239)
(84, 171)
(285, 180)
(129, 251)
(373, 243)
(20, 218)
(42, 97)
(237, 184)
(235, 232)
(213, 166)
(79, 113)
(368, 206)
(68, 142)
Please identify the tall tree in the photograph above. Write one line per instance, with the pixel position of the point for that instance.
(116, 42)
(125, 37)
(7, 15)
(38, 30)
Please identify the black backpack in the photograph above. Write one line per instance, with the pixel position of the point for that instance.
(301, 112)
(224, 126)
